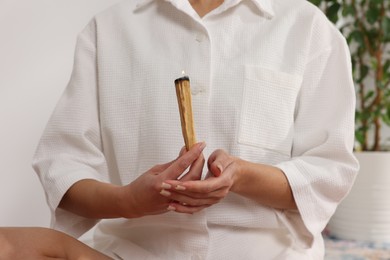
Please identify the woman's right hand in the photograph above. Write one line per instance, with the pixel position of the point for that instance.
(143, 196)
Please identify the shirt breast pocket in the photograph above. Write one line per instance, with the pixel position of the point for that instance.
(268, 105)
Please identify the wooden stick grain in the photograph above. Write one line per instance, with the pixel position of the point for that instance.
(183, 93)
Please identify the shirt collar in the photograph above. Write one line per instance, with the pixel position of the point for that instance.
(265, 6)
(140, 3)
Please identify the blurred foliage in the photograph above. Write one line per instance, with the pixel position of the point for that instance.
(366, 26)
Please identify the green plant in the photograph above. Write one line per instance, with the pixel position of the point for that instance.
(366, 26)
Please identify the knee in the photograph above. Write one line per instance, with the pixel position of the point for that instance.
(8, 249)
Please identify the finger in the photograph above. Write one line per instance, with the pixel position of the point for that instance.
(218, 161)
(161, 167)
(199, 186)
(213, 163)
(180, 208)
(198, 200)
(195, 172)
(214, 155)
(205, 198)
(184, 161)
(182, 151)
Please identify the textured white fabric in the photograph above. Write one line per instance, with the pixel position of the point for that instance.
(271, 83)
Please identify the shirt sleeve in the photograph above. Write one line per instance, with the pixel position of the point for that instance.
(323, 167)
(70, 148)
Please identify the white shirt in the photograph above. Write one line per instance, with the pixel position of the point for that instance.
(271, 83)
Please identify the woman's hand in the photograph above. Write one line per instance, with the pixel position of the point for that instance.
(195, 195)
(94, 199)
(145, 195)
(264, 184)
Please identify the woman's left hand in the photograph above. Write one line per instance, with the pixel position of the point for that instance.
(194, 195)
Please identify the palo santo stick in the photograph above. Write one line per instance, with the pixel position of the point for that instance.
(183, 93)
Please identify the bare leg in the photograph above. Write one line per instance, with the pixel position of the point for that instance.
(43, 243)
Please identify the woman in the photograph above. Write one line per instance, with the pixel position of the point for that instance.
(272, 97)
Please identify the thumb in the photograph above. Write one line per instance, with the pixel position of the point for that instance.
(215, 168)
(184, 161)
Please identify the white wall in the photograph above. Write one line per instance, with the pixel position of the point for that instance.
(37, 41)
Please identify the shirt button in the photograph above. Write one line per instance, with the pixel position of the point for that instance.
(199, 37)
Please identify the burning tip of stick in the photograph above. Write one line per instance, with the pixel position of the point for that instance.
(182, 79)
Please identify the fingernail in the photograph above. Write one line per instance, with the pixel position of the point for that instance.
(219, 168)
(179, 187)
(171, 208)
(202, 146)
(165, 193)
(165, 186)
